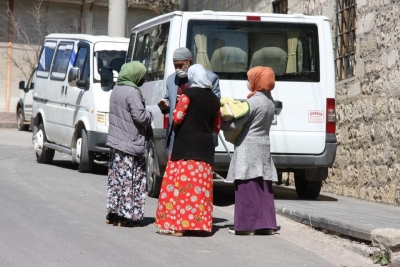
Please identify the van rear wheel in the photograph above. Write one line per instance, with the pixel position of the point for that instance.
(20, 121)
(153, 180)
(83, 156)
(306, 189)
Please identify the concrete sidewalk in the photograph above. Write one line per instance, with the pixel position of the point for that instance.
(8, 120)
(359, 219)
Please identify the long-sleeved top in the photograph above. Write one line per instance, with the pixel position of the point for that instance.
(252, 158)
(128, 120)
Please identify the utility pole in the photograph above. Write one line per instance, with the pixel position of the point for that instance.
(9, 52)
(117, 10)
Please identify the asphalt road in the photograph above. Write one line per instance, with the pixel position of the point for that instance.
(52, 215)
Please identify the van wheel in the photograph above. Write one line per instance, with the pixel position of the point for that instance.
(20, 121)
(83, 156)
(153, 180)
(306, 189)
(43, 154)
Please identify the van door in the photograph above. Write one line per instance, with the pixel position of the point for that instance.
(74, 103)
(54, 114)
(230, 46)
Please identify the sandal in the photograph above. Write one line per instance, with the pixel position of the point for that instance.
(170, 232)
(123, 222)
(111, 217)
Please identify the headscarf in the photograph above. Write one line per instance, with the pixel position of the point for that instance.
(260, 79)
(131, 73)
(198, 77)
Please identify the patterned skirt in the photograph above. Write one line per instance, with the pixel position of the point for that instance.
(186, 197)
(126, 185)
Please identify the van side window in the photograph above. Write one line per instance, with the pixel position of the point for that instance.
(151, 48)
(61, 61)
(81, 62)
(130, 48)
(45, 59)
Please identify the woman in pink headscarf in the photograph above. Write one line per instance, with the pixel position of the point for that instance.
(252, 169)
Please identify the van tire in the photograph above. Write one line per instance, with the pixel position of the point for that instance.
(306, 189)
(86, 160)
(47, 154)
(20, 121)
(153, 181)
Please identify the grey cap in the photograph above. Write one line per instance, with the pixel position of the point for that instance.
(182, 53)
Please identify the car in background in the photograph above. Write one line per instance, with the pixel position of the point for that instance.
(24, 106)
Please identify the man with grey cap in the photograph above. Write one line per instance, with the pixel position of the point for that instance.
(176, 84)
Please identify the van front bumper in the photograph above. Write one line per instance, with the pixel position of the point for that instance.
(97, 142)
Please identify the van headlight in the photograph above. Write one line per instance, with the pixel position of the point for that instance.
(102, 118)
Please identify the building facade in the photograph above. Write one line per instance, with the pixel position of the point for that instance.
(33, 19)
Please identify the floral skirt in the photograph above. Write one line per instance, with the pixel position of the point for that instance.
(126, 192)
(186, 197)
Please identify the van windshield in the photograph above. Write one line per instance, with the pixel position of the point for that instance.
(230, 48)
(112, 59)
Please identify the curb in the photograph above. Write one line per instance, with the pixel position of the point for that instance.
(8, 120)
(336, 226)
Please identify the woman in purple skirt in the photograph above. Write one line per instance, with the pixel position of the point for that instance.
(252, 169)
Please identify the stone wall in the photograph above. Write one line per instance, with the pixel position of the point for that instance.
(368, 104)
(368, 110)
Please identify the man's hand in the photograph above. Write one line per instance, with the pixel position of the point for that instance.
(163, 104)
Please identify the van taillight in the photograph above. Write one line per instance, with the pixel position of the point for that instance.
(330, 115)
(255, 18)
(165, 122)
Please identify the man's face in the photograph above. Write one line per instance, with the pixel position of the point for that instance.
(182, 64)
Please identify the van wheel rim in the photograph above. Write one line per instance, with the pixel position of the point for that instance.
(38, 142)
(78, 150)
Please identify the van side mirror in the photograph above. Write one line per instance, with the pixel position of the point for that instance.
(106, 79)
(32, 86)
(21, 85)
(73, 76)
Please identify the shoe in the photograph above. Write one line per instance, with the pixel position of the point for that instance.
(110, 218)
(264, 232)
(232, 231)
(170, 232)
(123, 222)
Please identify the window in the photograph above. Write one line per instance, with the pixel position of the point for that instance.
(82, 63)
(230, 48)
(345, 38)
(150, 49)
(61, 61)
(45, 59)
(280, 6)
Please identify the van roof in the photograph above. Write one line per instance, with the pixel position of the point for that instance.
(87, 37)
(226, 13)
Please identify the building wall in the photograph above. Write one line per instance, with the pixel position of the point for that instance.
(57, 17)
(367, 164)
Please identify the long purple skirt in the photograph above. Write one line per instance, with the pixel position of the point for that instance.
(254, 205)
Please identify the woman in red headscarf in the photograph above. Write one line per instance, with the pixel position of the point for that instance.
(252, 169)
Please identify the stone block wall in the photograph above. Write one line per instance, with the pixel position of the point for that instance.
(368, 110)
(367, 164)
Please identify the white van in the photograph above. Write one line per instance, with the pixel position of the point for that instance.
(297, 47)
(70, 109)
(24, 105)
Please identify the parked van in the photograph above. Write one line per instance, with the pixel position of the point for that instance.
(24, 105)
(70, 109)
(299, 50)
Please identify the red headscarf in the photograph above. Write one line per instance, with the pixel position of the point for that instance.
(260, 79)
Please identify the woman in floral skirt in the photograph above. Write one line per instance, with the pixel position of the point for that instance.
(186, 196)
